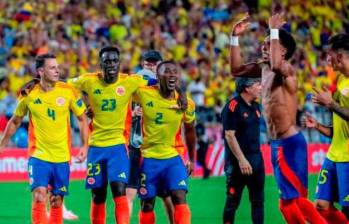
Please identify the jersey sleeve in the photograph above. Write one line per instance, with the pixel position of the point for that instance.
(78, 82)
(141, 81)
(77, 105)
(21, 109)
(189, 114)
(230, 117)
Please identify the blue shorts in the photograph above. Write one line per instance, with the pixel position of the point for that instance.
(290, 163)
(333, 183)
(107, 164)
(162, 175)
(43, 173)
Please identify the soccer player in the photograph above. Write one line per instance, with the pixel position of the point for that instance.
(333, 179)
(162, 168)
(49, 104)
(279, 101)
(244, 164)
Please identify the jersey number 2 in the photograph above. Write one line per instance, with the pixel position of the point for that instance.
(159, 117)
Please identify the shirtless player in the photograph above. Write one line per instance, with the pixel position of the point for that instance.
(279, 101)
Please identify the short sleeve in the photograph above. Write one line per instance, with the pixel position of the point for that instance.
(77, 105)
(230, 117)
(189, 114)
(21, 109)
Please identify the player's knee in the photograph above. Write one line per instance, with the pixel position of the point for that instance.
(148, 205)
(178, 197)
(118, 189)
(40, 194)
(322, 204)
(99, 195)
(56, 201)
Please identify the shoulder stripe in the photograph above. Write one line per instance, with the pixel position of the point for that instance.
(232, 105)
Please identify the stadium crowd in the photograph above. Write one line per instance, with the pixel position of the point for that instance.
(193, 33)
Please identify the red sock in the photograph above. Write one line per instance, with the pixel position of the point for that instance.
(97, 213)
(291, 212)
(122, 212)
(310, 212)
(333, 216)
(182, 214)
(56, 215)
(39, 213)
(146, 217)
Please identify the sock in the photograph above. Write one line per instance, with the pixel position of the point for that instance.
(146, 217)
(310, 212)
(333, 216)
(56, 215)
(291, 212)
(39, 213)
(97, 213)
(182, 214)
(122, 213)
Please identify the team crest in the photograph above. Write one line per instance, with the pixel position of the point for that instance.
(91, 180)
(120, 90)
(245, 115)
(143, 191)
(60, 101)
(345, 91)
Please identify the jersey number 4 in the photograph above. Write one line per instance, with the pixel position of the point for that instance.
(51, 113)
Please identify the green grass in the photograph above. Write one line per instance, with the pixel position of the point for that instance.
(206, 200)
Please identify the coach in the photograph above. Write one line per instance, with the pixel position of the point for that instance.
(243, 159)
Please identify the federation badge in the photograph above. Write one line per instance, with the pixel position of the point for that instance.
(60, 101)
(91, 180)
(31, 181)
(345, 91)
(143, 191)
(120, 90)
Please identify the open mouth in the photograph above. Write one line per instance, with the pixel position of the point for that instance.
(112, 71)
(172, 82)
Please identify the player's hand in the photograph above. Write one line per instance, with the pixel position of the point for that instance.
(241, 26)
(89, 112)
(80, 158)
(309, 121)
(245, 167)
(190, 167)
(323, 98)
(276, 21)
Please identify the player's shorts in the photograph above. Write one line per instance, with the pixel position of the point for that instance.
(107, 164)
(135, 167)
(290, 163)
(333, 183)
(162, 175)
(43, 173)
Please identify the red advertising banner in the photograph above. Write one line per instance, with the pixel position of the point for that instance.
(13, 162)
(13, 166)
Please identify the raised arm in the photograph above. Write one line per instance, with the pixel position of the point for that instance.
(236, 64)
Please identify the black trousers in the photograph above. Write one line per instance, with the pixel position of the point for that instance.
(235, 185)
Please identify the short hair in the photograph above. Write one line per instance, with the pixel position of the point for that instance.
(339, 42)
(287, 41)
(109, 49)
(163, 63)
(40, 59)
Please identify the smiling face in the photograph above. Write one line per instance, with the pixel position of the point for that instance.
(110, 64)
(168, 75)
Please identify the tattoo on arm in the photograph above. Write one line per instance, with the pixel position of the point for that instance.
(339, 110)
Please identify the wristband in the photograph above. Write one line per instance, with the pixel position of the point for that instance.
(274, 34)
(234, 41)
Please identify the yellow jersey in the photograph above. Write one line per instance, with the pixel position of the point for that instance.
(109, 103)
(49, 120)
(162, 122)
(339, 149)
